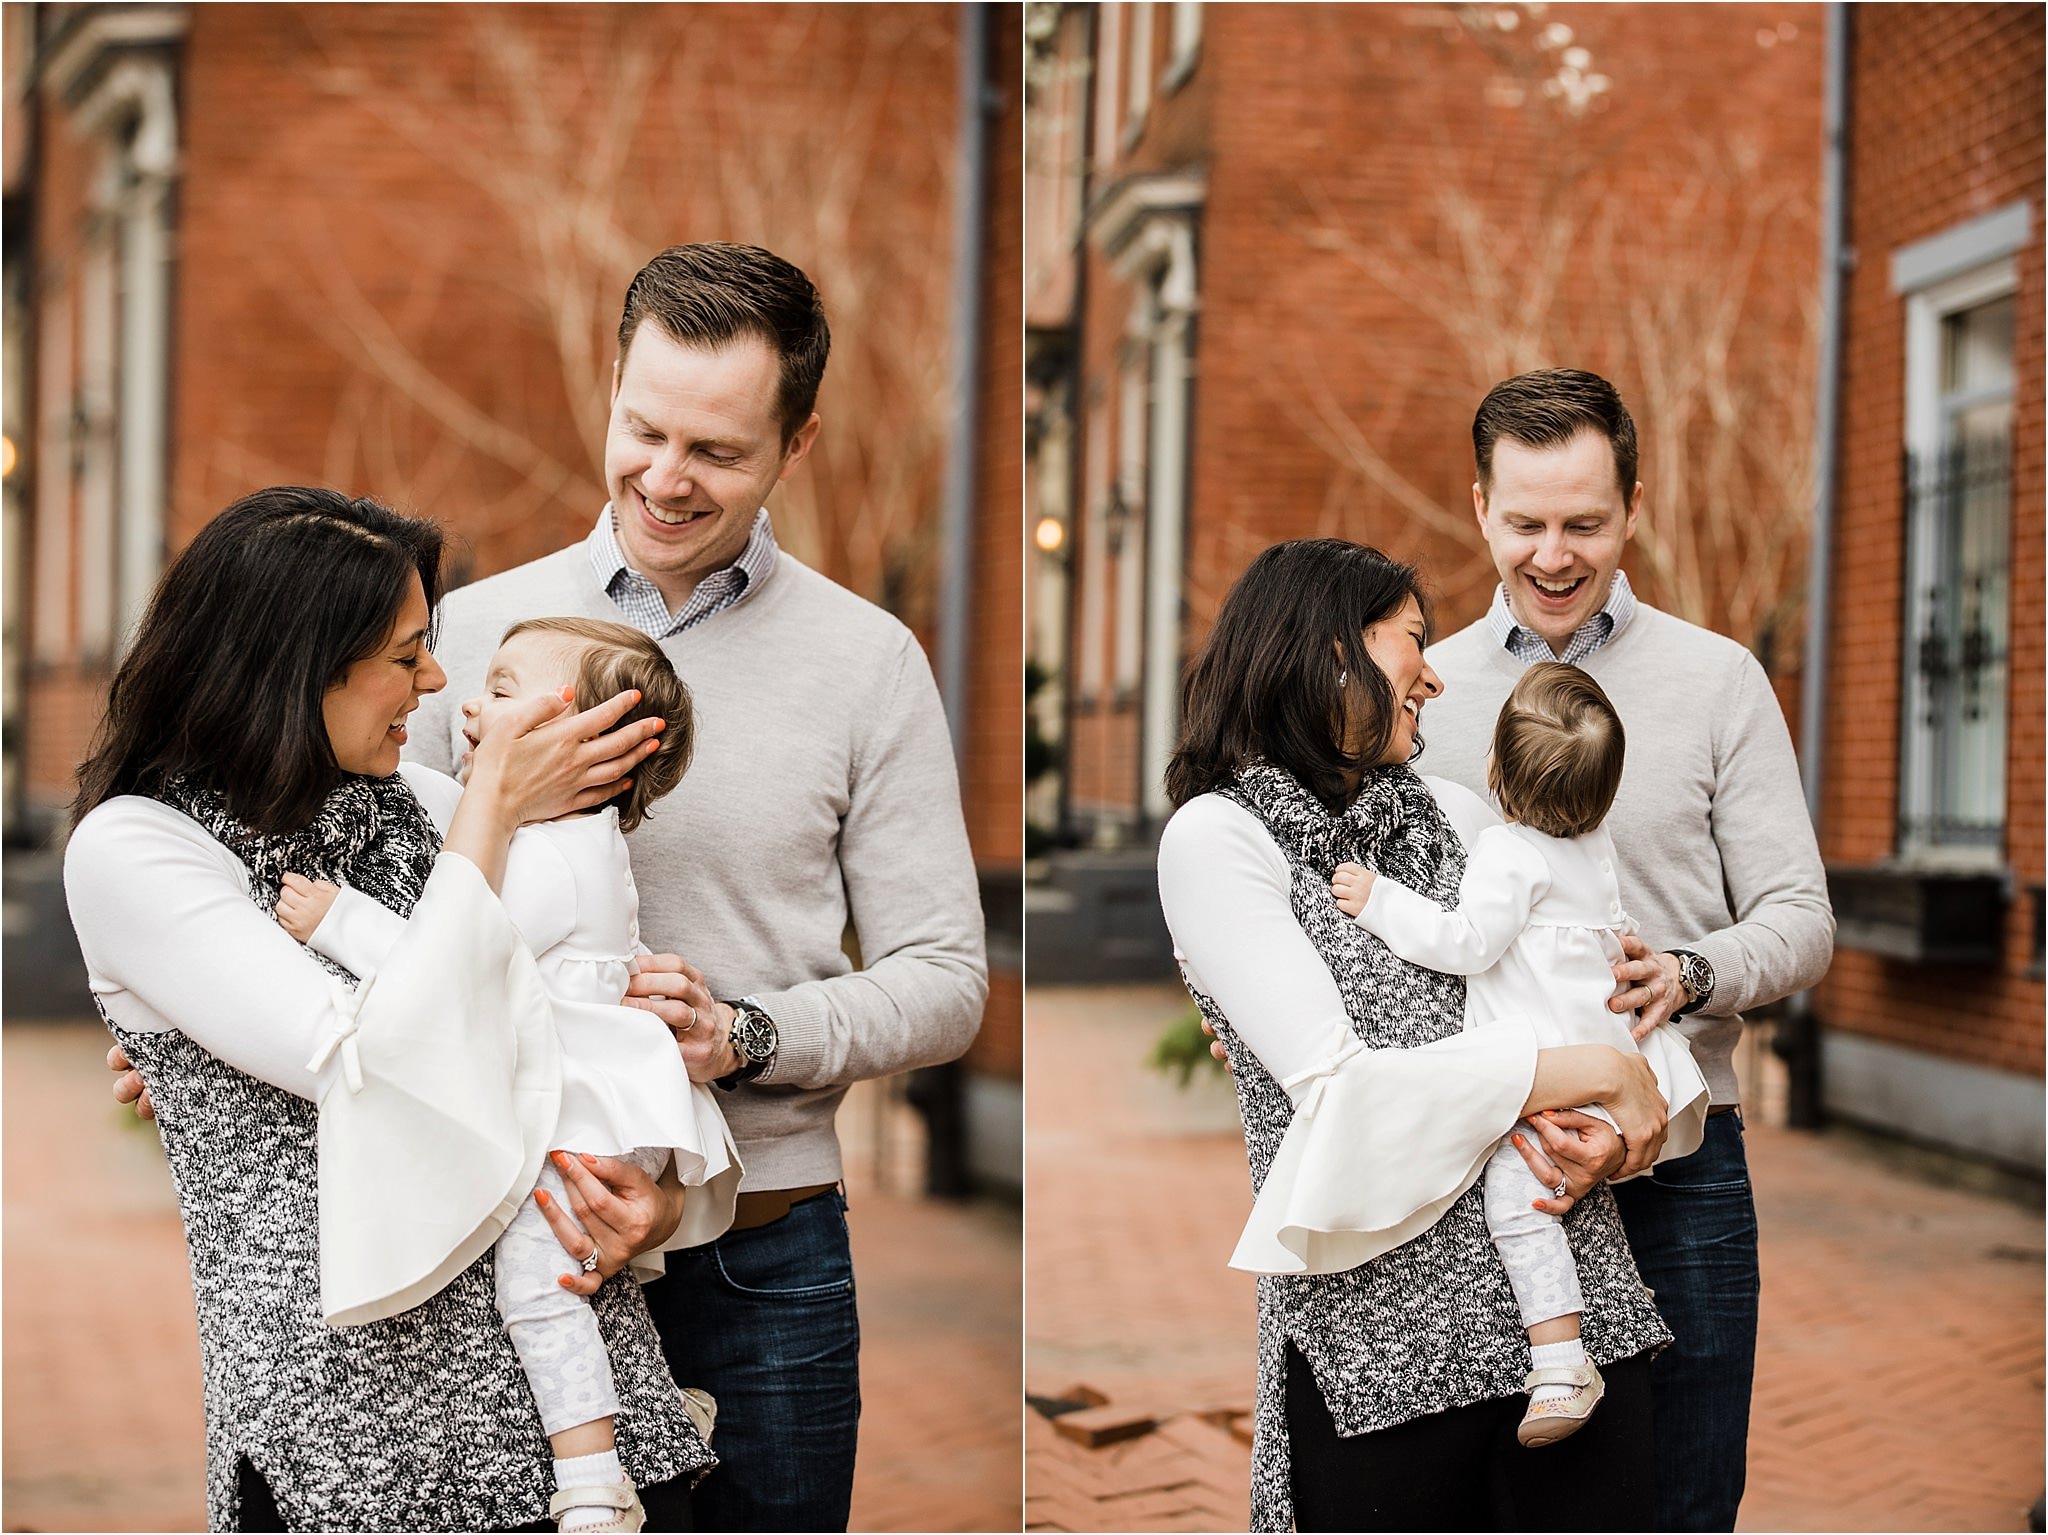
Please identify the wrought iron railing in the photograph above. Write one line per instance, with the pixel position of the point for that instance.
(1953, 725)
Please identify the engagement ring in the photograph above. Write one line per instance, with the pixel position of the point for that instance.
(590, 1262)
(1558, 1192)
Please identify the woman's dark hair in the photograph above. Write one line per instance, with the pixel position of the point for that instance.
(263, 612)
(1284, 667)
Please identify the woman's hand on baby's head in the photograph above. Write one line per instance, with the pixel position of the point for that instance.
(303, 903)
(1352, 885)
(547, 760)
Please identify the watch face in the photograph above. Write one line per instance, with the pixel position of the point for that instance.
(753, 1035)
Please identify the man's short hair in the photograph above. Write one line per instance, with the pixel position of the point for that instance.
(1558, 747)
(707, 294)
(1547, 408)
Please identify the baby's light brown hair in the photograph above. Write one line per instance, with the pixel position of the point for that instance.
(615, 658)
(1557, 752)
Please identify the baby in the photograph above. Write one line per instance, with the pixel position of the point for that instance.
(568, 888)
(1536, 931)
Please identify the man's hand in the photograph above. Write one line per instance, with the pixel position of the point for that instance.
(128, 1086)
(303, 903)
(673, 990)
(1653, 987)
(1216, 1047)
(1582, 1151)
(1352, 885)
(614, 1204)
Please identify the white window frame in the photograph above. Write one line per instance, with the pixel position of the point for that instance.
(1960, 269)
(1109, 32)
(1184, 45)
(1138, 85)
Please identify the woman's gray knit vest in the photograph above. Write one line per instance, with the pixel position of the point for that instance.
(423, 1421)
(1432, 1324)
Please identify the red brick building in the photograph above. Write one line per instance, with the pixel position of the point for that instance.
(1278, 253)
(1930, 815)
(383, 248)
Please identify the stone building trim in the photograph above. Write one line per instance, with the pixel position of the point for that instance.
(1962, 247)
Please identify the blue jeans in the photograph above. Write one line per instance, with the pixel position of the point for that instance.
(1692, 1226)
(764, 1320)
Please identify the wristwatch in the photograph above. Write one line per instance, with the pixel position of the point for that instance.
(1697, 976)
(753, 1039)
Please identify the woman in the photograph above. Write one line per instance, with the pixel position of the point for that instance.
(1389, 1391)
(253, 730)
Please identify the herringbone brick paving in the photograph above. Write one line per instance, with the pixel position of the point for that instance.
(1899, 1373)
(102, 1421)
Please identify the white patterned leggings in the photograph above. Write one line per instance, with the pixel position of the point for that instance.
(554, 1330)
(1532, 1245)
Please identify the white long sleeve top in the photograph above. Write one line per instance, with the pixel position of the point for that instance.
(149, 890)
(439, 1074)
(1382, 1141)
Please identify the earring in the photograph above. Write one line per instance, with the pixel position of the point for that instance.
(1342, 677)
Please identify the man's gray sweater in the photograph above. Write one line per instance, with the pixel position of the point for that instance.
(1717, 850)
(822, 795)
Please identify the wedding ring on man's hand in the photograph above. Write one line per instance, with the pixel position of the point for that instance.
(590, 1262)
(1558, 1192)
(693, 1019)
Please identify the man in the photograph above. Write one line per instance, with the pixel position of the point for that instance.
(1719, 863)
(822, 794)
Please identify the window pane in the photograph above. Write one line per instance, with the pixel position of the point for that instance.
(1976, 348)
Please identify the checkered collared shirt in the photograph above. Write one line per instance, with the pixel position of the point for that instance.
(1528, 647)
(640, 601)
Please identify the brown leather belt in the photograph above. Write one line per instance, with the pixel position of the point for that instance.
(764, 1207)
(1719, 1108)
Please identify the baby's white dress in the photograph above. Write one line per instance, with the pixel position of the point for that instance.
(568, 888)
(1536, 933)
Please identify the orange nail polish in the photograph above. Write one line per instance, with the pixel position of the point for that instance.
(588, 1159)
(540, 1197)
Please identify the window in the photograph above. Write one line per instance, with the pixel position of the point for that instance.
(1958, 509)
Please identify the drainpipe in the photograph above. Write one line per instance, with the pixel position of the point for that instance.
(1798, 1036)
(956, 534)
(940, 1092)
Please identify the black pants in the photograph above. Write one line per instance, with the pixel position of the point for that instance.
(667, 1505)
(1464, 1470)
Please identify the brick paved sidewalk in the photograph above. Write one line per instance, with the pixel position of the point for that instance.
(1899, 1376)
(102, 1421)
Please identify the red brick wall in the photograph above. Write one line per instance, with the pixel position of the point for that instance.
(378, 214)
(995, 736)
(1344, 144)
(61, 704)
(1946, 110)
